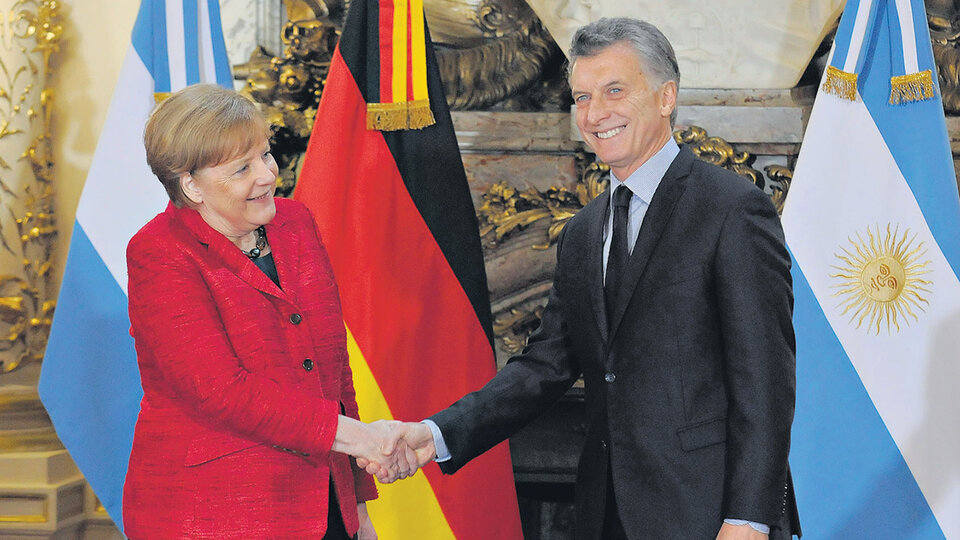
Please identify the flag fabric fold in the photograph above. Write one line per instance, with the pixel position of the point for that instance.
(872, 220)
(395, 214)
(89, 382)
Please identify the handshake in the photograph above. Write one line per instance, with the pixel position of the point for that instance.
(388, 449)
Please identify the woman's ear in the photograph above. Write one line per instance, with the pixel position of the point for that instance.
(188, 184)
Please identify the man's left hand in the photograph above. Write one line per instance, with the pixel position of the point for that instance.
(740, 532)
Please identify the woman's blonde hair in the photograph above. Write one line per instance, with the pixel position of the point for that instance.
(202, 125)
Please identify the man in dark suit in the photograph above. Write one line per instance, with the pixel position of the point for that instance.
(672, 298)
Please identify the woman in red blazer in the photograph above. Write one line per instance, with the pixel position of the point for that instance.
(248, 413)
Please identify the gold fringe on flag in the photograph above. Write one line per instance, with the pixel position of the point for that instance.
(420, 115)
(912, 87)
(841, 84)
(400, 115)
(387, 116)
(159, 97)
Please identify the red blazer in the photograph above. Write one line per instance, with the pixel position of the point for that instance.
(242, 384)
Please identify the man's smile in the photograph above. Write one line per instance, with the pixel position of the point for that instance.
(610, 132)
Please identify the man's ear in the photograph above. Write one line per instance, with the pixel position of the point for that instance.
(668, 98)
(188, 184)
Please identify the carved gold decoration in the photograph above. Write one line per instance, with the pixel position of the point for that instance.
(503, 209)
(514, 328)
(26, 301)
(943, 18)
(781, 176)
(719, 152)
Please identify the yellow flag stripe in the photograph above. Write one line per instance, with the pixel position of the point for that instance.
(419, 52)
(400, 35)
(407, 508)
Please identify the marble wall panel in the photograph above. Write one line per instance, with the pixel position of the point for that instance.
(523, 149)
(249, 23)
(730, 44)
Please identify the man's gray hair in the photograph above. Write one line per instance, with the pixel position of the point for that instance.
(655, 52)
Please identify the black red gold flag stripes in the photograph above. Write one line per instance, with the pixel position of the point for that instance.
(395, 214)
(400, 99)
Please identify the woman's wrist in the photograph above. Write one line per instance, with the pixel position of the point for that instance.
(350, 436)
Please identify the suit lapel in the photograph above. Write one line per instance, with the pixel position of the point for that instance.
(658, 215)
(228, 254)
(284, 246)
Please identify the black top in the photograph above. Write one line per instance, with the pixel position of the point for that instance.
(265, 263)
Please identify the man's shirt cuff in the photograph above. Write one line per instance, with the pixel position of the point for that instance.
(759, 527)
(443, 454)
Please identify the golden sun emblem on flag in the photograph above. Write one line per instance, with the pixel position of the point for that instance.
(879, 279)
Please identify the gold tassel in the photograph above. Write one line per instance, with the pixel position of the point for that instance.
(420, 115)
(387, 116)
(841, 84)
(912, 87)
(397, 116)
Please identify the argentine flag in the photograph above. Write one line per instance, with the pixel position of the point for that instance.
(89, 382)
(873, 222)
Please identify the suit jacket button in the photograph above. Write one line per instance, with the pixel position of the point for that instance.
(610, 376)
(308, 364)
(296, 318)
(603, 444)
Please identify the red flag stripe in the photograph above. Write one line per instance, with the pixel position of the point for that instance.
(386, 13)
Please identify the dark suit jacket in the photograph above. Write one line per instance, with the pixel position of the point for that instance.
(234, 433)
(689, 389)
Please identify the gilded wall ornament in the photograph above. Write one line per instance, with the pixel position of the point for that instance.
(943, 17)
(504, 209)
(31, 29)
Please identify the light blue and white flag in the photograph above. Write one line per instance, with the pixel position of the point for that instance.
(873, 222)
(89, 382)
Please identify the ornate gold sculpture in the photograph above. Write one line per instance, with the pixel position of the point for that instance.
(504, 209)
(26, 304)
(943, 17)
(514, 328)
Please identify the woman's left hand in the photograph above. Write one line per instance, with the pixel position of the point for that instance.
(366, 531)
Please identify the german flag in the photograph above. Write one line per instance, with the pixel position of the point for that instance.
(384, 179)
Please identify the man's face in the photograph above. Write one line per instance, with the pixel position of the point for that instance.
(623, 120)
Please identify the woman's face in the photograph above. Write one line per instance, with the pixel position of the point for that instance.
(235, 197)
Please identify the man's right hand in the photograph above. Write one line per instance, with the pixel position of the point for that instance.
(415, 435)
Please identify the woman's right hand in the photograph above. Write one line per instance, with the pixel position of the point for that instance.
(367, 441)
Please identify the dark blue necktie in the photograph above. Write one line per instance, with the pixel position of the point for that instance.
(619, 251)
